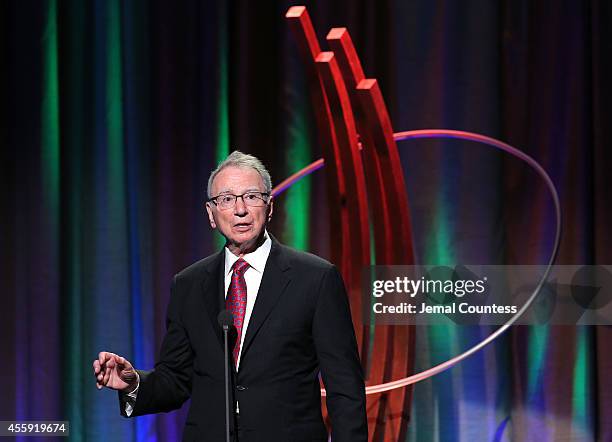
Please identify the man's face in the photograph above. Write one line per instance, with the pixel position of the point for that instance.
(241, 225)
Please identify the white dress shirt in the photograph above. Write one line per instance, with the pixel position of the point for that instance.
(257, 263)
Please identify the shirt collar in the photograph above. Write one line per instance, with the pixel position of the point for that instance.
(256, 259)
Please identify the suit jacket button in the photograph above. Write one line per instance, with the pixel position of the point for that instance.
(240, 387)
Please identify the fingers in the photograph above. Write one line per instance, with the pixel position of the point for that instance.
(103, 367)
(97, 373)
(109, 370)
(104, 356)
(125, 363)
(110, 365)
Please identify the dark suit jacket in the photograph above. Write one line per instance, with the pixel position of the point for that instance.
(300, 326)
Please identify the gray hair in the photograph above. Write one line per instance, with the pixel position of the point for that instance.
(239, 159)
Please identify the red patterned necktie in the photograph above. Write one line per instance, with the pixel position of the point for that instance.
(236, 300)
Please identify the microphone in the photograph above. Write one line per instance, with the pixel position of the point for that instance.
(226, 321)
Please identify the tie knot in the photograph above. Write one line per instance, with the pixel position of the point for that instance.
(240, 266)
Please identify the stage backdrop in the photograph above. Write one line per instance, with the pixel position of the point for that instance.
(116, 111)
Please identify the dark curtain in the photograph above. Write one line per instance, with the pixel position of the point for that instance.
(115, 113)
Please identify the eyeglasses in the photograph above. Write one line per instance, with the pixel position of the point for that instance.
(251, 199)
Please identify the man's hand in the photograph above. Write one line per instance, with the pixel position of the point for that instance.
(114, 371)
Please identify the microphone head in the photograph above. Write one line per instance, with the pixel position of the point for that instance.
(225, 318)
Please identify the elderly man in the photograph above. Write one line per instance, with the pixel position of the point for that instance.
(292, 320)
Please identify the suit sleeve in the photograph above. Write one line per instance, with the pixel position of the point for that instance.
(338, 356)
(168, 385)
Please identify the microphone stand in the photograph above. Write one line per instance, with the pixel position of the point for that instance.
(227, 383)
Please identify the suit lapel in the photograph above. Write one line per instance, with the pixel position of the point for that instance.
(213, 292)
(274, 281)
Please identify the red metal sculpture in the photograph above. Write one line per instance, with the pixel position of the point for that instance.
(357, 139)
(366, 184)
